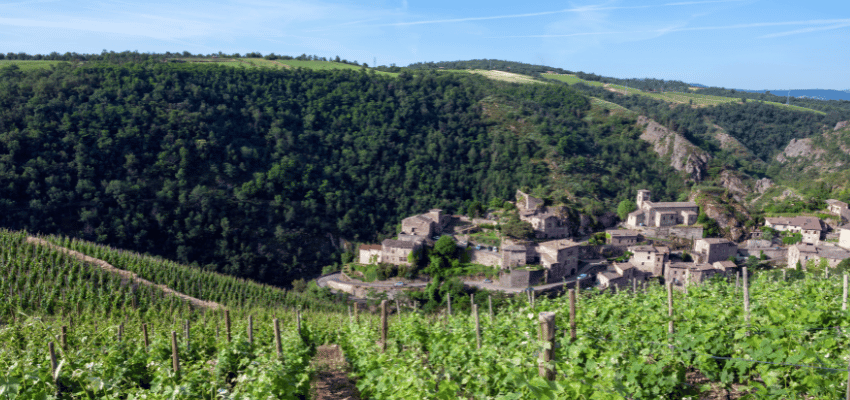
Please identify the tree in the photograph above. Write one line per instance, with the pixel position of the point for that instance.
(518, 229)
(299, 285)
(445, 247)
(475, 209)
(625, 207)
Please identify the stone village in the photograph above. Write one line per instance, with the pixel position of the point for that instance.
(552, 258)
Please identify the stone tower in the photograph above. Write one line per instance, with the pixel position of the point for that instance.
(643, 196)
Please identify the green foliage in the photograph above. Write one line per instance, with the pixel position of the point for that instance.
(517, 228)
(686, 257)
(625, 208)
(475, 209)
(789, 238)
(597, 238)
(445, 247)
(299, 285)
(710, 227)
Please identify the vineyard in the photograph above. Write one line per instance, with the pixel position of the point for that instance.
(69, 329)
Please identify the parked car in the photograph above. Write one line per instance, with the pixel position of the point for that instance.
(478, 247)
(488, 281)
(436, 238)
(399, 284)
(582, 276)
(494, 249)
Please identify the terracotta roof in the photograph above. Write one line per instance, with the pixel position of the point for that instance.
(683, 204)
(370, 247)
(724, 265)
(514, 247)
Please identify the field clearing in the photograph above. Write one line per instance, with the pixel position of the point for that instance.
(698, 100)
(502, 76)
(597, 102)
(26, 65)
(280, 64)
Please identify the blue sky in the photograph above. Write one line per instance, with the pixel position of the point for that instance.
(748, 44)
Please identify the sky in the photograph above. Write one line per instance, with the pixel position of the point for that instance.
(744, 44)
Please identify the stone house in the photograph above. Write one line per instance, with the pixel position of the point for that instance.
(810, 227)
(844, 236)
(545, 221)
(396, 251)
(650, 259)
(622, 237)
(658, 214)
(621, 274)
(425, 225)
(836, 206)
(681, 272)
(710, 250)
(726, 267)
(369, 254)
(514, 256)
(559, 258)
(803, 252)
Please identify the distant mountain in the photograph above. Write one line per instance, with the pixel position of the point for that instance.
(820, 94)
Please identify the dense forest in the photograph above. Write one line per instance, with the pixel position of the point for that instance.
(258, 173)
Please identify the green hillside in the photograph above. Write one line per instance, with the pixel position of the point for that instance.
(693, 99)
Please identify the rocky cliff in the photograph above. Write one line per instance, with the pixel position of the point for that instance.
(721, 206)
(682, 154)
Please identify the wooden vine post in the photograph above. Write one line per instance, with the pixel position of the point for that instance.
(227, 324)
(53, 364)
(357, 313)
(384, 326)
(63, 336)
(844, 295)
(449, 302)
(670, 312)
(746, 298)
(187, 332)
(145, 335)
(477, 326)
(298, 320)
(490, 305)
(251, 330)
(547, 335)
(572, 315)
(120, 332)
(175, 360)
(277, 338)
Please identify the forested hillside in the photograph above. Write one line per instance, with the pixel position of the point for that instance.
(259, 172)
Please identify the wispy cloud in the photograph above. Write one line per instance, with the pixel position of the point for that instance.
(807, 30)
(553, 12)
(837, 23)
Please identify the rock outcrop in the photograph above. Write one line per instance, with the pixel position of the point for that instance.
(736, 187)
(841, 125)
(799, 148)
(722, 207)
(683, 155)
(763, 184)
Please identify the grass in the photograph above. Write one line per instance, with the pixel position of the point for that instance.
(499, 75)
(697, 100)
(279, 64)
(487, 238)
(26, 65)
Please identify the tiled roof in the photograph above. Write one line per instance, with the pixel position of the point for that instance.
(715, 240)
(621, 232)
(370, 247)
(643, 249)
(399, 244)
(807, 223)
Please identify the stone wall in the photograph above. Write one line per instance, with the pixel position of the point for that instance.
(600, 251)
(771, 252)
(485, 257)
(520, 278)
(689, 232)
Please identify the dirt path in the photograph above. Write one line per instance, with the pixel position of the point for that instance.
(130, 276)
(331, 381)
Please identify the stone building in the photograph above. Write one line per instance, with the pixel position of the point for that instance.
(559, 258)
(396, 251)
(370, 254)
(804, 252)
(659, 214)
(810, 227)
(839, 208)
(681, 272)
(546, 221)
(425, 225)
(650, 259)
(622, 237)
(621, 274)
(714, 249)
(844, 236)
(514, 256)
